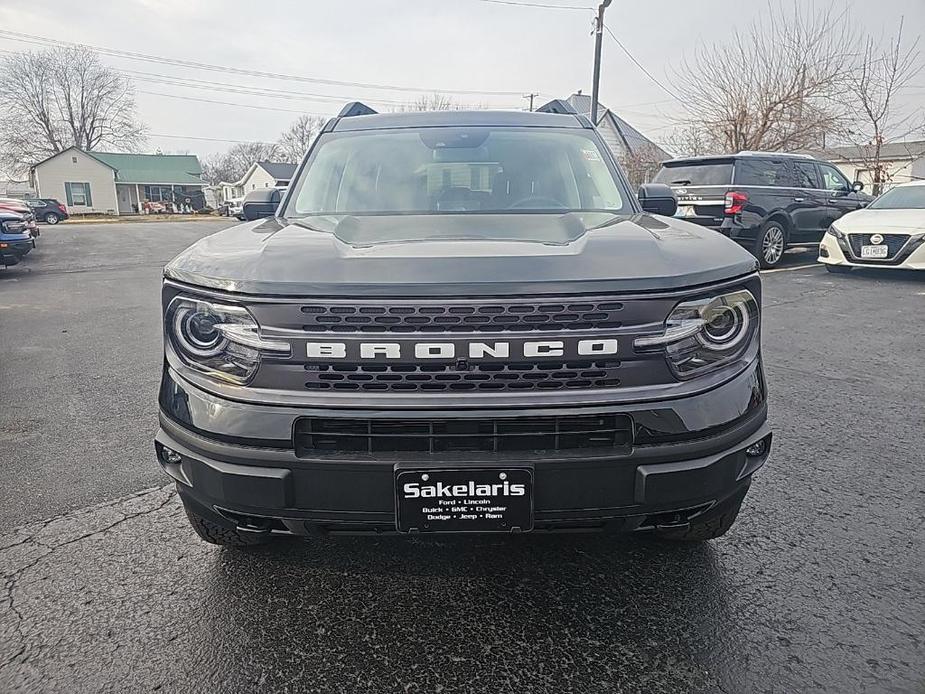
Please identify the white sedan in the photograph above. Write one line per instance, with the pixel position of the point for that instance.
(889, 233)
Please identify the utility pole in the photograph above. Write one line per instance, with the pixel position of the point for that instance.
(530, 96)
(598, 36)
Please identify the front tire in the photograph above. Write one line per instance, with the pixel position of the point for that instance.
(52, 218)
(839, 269)
(714, 523)
(223, 535)
(770, 245)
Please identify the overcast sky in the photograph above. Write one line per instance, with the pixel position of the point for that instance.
(445, 45)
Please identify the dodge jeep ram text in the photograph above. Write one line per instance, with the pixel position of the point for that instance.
(461, 322)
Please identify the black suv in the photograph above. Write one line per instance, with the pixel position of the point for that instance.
(461, 322)
(47, 210)
(765, 201)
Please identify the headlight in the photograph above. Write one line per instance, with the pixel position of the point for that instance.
(220, 340)
(835, 232)
(705, 334)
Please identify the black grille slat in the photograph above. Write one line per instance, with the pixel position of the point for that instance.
(477, 376)
(893, 242)
(482, 317)
(613, 432)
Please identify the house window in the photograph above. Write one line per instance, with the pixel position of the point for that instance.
(73, 160)
(78, 194)
(158, 193)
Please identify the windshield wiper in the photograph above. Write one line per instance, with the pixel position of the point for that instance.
(683, 181)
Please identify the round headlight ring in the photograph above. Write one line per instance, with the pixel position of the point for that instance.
(731, 328)
(195, 331)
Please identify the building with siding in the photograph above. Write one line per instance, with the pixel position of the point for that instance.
(639, 156)
(900, 162)
(118, 184)
(261, 174)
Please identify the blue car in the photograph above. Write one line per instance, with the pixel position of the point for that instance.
(15, 239)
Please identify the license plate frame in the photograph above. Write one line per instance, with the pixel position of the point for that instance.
(464, 512)
(875, 252)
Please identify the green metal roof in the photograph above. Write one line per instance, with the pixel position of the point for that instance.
(153, 168)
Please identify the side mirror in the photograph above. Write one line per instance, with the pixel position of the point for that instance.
(260, 203)
(657, 198)
(857, 186)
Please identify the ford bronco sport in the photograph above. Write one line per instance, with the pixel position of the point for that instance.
(461, 322)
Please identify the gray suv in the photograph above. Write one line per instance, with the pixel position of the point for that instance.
(461, 322)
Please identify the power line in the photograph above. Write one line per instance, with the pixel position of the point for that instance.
(209, 139)
(230, 103)
(191, 83)
(131, 55)
(263, 91)
(544, 5)
(640, 65)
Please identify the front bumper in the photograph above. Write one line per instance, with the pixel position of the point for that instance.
(14, 251)
(235, 468)
(834, 251)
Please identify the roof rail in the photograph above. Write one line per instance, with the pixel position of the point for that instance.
(557, 106)
(750, 153)
(356, 108)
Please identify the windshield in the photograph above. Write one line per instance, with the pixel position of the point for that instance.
(445, 170)
(903, 198)
(695, 173)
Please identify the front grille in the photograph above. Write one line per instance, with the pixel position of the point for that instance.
(478, 376)
(490, 435)
(455, 317)
(894, 242)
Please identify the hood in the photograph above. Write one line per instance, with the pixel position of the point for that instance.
(868, 221)
(638, 252)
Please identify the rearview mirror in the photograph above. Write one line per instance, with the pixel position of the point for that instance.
(260, 203)
(657, 198)
(857, 186)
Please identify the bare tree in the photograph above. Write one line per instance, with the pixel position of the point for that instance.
(218, 167)
(690, 140)
(873, 85)
(294, 143)
(641, 164)
(62, 97)
(776, 86)
(435, 102)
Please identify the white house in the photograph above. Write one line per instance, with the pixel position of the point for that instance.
(262, 174)
(900, 162)
(116, 183)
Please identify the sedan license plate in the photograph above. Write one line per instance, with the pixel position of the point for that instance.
(464, 500)
(875, 251)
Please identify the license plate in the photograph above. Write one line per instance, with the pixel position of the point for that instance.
(875, 251)
(685, 211)
(464, 500)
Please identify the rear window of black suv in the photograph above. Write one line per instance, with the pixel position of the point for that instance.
(716, 172)
(762, 172)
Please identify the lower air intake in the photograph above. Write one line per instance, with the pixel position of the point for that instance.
(503, 435)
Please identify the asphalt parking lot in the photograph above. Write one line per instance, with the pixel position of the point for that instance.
(820, 587)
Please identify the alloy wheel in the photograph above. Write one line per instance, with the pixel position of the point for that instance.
(772, 246)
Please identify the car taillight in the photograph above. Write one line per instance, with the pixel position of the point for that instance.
(62, 208)
(735, 202)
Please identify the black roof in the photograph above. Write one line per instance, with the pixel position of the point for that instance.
(459, 118)
(281, 171)
(708, 158)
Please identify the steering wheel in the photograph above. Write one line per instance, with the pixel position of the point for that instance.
(537, 201)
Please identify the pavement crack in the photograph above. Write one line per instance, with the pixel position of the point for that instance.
(13, 578)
